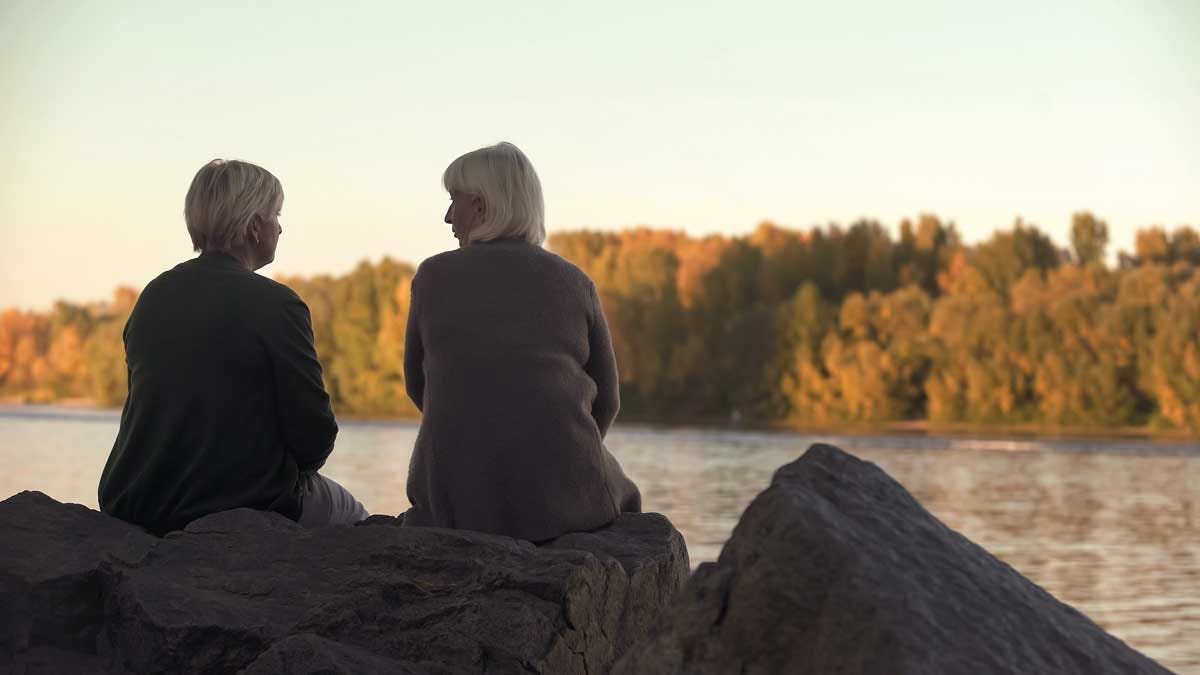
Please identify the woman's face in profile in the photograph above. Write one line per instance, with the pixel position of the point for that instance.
(268, 237)
(464, 215)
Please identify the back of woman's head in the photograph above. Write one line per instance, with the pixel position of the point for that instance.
(224, 198)
(502, 176)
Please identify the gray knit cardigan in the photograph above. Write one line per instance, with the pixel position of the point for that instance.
(509, 358)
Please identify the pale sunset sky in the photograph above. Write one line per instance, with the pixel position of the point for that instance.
(706, 117)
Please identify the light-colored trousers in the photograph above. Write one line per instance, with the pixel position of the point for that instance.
(327, 503)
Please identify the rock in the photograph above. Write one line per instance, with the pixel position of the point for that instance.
(307, 654)
(51, 584)
(835, 568)
(44, 660)
(252, 592)
(647, 547)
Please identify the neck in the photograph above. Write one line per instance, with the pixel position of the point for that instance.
(244, 257)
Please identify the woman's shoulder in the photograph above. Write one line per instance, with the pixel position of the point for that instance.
(440, 261)
(195, 278)
(226, 297)
(499, 256)
(567, 269)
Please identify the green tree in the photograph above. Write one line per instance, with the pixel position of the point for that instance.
(104, 353)
(1004, 258)
(925, 252)
(1089, 238)
(978, 372)
(1173, 359)
(1084, 372)
(803, 382)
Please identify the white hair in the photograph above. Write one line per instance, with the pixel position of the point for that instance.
(224, 197)
(502, 176)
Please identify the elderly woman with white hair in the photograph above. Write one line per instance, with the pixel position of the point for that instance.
(226, 405)
(509, 358)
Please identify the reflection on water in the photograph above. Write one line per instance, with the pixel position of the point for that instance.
(1111, 527)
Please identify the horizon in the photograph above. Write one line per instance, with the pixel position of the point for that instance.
(701, 120)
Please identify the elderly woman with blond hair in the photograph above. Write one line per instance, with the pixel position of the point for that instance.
(226, 405)
(509, 358)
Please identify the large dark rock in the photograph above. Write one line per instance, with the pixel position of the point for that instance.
(837, 569)
(252, 592)
(52, 580)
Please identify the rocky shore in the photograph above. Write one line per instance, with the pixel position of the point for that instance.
(835, 568)
(251, 592)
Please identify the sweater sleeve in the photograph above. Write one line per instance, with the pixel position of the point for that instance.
(414, 351)
(602, 367)
(306, 419)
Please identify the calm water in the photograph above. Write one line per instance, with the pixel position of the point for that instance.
(1111, 527)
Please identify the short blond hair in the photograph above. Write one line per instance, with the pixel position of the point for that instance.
(224, 197)
(503, 177)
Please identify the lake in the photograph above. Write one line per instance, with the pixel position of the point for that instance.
(1109, 526)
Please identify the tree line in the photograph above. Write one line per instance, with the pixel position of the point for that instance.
(821, 327)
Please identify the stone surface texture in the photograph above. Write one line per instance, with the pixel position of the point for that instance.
(251, 592)
(835, 568)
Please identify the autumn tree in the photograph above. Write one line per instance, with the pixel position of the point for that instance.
(812, 327)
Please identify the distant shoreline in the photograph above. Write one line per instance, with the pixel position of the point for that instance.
(902, 428)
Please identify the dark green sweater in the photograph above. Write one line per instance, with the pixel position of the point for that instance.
(226, 403)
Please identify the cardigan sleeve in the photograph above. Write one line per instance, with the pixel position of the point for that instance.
(414, 351)
(601, 366)
(305, 416)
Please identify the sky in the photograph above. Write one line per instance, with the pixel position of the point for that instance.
(703, 117)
